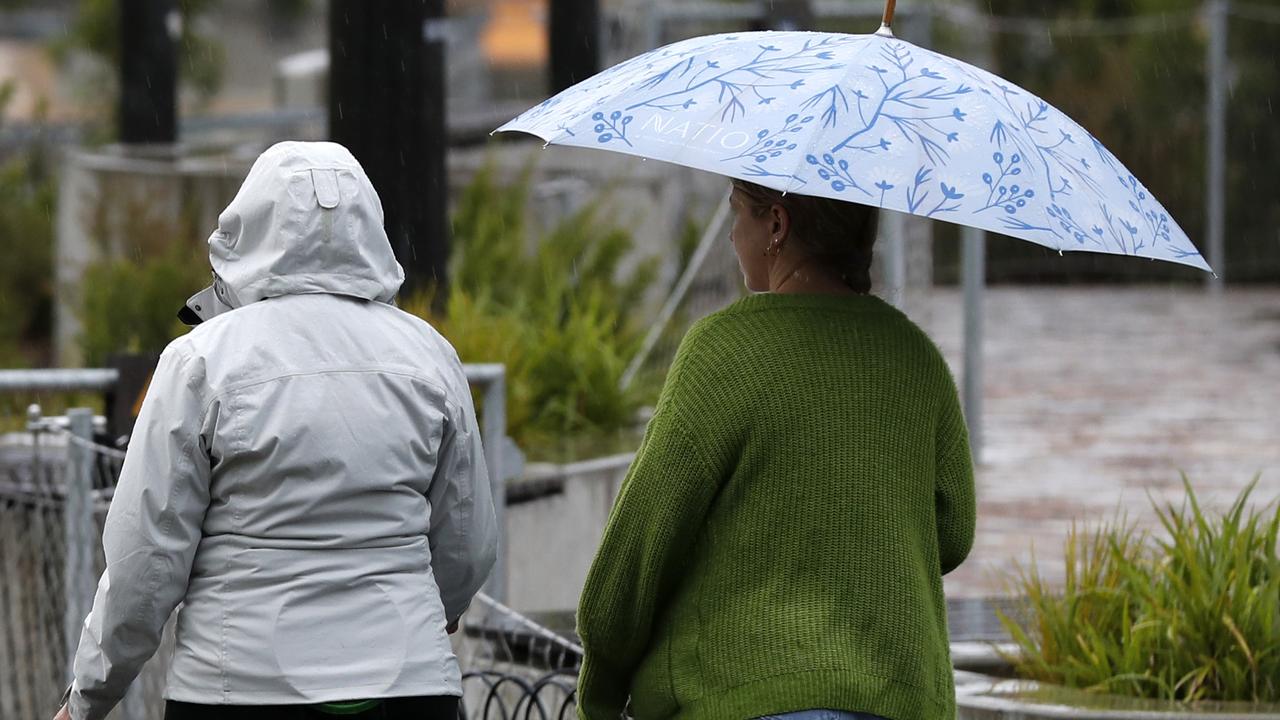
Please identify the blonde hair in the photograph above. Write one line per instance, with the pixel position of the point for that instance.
(840, 233)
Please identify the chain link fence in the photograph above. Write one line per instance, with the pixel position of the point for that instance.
(32, 551)
(55, 487)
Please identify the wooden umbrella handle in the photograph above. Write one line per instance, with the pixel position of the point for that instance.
(889, 7)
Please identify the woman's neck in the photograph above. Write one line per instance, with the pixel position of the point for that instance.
(810, 278)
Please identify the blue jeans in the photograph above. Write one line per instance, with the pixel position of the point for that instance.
(822, 715)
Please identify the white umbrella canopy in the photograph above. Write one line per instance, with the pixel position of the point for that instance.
(869, 119)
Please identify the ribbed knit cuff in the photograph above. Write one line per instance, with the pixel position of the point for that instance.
(602, 690)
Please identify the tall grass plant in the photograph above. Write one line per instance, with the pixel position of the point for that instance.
(561, 309)
(1189, 615)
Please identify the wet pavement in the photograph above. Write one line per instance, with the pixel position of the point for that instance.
(1097, 398)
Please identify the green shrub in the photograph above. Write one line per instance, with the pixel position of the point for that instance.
(27, 198)
(129, 300)
(1192, 616)
(131, 305)
(560, 315)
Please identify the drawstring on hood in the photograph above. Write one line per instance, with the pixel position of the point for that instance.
(306, 220)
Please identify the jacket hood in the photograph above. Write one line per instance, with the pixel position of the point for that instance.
(306, 220)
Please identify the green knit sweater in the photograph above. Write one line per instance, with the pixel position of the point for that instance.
(780, 540)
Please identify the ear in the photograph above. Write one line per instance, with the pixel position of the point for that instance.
(780, 221)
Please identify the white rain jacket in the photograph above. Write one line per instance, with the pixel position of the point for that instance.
(305, 477)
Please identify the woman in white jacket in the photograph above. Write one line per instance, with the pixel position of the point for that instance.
(305, 477)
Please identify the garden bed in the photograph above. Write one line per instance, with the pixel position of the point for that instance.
(983, 697)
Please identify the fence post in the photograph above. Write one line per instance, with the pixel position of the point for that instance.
(975, 279)
(894, 242)
(494, 432)
(1216, 109)
(79, 531)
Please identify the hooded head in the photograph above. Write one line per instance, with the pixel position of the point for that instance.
(306, 220)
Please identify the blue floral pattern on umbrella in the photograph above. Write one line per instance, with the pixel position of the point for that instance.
(869, 119)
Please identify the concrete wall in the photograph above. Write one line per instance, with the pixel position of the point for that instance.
(552, 539)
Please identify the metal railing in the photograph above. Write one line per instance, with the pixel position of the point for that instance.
(491, 381)
(515, 668)
(59, 380)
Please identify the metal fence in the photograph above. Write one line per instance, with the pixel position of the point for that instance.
(32, 600)
(54, 492)
(514, 667)
(56, 483)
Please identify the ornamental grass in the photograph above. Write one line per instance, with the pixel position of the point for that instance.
(1190, 614)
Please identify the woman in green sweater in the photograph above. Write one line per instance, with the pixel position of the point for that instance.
(779, 543)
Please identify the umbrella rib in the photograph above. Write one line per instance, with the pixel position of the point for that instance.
(720, 78)
(813, 140)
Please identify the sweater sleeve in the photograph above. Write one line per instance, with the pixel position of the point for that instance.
(654, 521)
(954, 495)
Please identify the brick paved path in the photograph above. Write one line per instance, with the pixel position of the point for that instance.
(1095, 397)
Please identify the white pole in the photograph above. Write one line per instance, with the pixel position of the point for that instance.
(1215, 183)
(974, 267)
(493, 432)
(79, 531)
(895, 257)
(974, 274)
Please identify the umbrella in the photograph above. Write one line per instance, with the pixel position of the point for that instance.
(870, 119)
